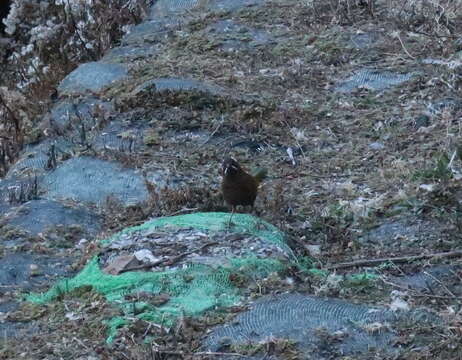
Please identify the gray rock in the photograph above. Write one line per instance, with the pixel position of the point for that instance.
(16, 270)
(172, 7)
(226, 5)
(376, 146)
(90, 180)
(150, 31)
(234, 36)
(457, 43)
(372, 80)
(93, 77)
(16, 275)
(162, 179)
(404, 234)
(300, 318)
(32, 162)
(386, 234)
(364, 40)
(129, 53)
(177, 7)
(436, 279)
(34, 159)
(168, 15)
(448, 104)
(422, 121)
(16, 190)
(37, 215)
(66, 110)
(110, 138)
(176, 84)
(10, 329)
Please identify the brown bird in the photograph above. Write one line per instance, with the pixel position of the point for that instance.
(239, 187)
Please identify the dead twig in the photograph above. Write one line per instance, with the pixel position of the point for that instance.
(184, 210)
(169, 261)
(396, 34)
(401, 259)
(441, 283)
(203, 353)
(434, 35)
(213, 132)
(415, 293)
(16, 121)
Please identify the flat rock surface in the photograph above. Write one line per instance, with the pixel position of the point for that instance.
(28, 271)
(84, 110)
(175, 7)
(37, 216)
(93, 76)
(178, 84)
(233, 36)
(355, 113)
(91, 180)
(442, 279)
(150, 32)
(129, 52)
(372, 80)
(304, 319)
(35, 159)
(402, 234)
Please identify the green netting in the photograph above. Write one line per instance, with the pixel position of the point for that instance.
(194, 289)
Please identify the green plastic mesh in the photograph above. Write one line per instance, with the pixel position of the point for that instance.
(193, 289)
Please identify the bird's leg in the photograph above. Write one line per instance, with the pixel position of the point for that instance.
(233, 209)
(256, 214)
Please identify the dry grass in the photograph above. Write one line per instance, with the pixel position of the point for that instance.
(281, 97)
(29, 79)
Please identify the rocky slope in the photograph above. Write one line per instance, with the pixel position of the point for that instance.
(355, 110)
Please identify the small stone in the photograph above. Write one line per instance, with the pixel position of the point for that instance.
(72, 316)
(160, 299)
(225, 342)
(146, 256)
(457, 44)
(427, 187)
(3, 317)
(376, 146)
(314, 250)
(422, 121)
(399, 304)
(151, 137)
(34, 270)
(82, 243)
(92, 77)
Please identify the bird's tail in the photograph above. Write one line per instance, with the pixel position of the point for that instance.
(260, 175)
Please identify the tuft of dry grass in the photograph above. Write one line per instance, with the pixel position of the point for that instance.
(44, 52)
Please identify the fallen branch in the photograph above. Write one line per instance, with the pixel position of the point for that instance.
(168, 261)
(182, 211)
(397, 260)
(396, 34)
(213, 132)
(416, 293)
(204, 353)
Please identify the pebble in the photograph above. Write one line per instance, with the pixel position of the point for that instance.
(377, 146)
